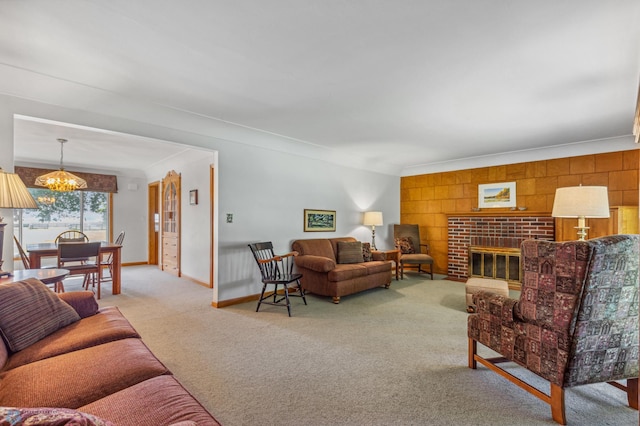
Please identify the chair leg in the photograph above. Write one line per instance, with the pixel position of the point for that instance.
(401, 271)
(473, 349)
(632, 392)
(59, 287)
(557, 404)
(264, 286)
(304, 299)
(286, 296)
(98, 274)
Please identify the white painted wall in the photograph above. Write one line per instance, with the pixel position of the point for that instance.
(130, 216)
(195, 223)
(265, 190)
(267, 193)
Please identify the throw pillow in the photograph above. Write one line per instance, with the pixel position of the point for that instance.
(30, 311)
(366, 252)
(405, 244)
(350, 252)
(49, 417)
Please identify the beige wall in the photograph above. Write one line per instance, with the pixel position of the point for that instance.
(426, 199)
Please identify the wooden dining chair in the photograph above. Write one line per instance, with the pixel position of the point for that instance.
(108, 261)
(68, 258)
(72, 236)
(58, 287)
(23, 254)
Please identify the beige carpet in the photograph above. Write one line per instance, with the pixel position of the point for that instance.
(393, 356)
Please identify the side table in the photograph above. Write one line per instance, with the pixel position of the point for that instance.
(394, 255)
(46, 275)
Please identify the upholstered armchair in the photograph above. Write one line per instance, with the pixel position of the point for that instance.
(576, 321)
(412, 250)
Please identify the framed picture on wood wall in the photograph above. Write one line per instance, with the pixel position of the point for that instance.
(497, 195)
(319, 220)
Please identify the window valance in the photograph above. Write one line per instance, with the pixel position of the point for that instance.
(95, 182)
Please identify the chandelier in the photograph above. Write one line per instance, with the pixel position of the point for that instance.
(47, 201)
(60, 180)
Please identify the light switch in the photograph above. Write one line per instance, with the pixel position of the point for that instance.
(229, 217)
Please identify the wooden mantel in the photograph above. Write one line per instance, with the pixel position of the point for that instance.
(499, 213)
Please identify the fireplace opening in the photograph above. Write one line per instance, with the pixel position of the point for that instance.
(496, 262)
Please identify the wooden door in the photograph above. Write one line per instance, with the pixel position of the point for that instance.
(154, 223)
(171, 223)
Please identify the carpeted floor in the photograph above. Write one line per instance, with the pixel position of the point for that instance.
(393, 356)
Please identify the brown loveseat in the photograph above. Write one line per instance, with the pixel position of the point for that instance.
(61, 352)
(331, 267)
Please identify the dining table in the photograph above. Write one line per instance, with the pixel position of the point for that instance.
(39, 251)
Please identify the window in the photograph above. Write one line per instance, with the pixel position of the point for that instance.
(86, 211)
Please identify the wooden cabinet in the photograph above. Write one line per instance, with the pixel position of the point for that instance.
(621, 220)
(171, 223)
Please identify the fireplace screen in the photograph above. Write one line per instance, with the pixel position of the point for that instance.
(495, 262)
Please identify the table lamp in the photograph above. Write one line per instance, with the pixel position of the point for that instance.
(373, 219)
(581, 202)
(13, 195)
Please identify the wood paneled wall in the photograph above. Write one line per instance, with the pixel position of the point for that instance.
(427, 199)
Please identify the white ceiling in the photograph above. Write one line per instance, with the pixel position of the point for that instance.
(407, 82)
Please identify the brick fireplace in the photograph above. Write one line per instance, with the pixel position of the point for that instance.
(488, 231)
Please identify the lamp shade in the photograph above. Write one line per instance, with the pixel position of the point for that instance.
(372, 219)
(581, 201)
(13, 193)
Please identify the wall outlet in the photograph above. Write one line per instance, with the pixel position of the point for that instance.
(229, 217)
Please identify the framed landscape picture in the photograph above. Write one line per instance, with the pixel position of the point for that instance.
(319, 220)
(497, 195)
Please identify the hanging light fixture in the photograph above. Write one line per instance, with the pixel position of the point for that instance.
(60, 180)
(47, 201)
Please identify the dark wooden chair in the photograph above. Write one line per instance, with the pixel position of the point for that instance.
(72, 236)
(107, 262)
(276, 270)
(412, 251)
(70, 257)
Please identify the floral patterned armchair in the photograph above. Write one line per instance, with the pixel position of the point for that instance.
(576, 321)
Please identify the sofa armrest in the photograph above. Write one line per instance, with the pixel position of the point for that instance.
(82, 302)
(315, 263)
(495, 305)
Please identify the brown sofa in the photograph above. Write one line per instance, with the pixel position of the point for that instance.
(324, 271)
(93, 366)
